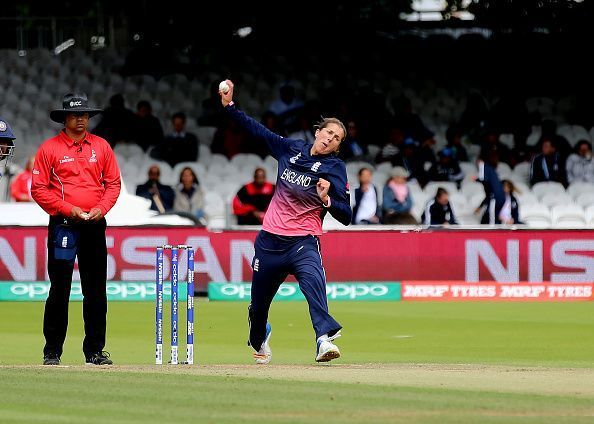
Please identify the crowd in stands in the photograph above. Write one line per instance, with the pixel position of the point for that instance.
(413, 134)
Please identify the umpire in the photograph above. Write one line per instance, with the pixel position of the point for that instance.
(6, 146)
(76, 180)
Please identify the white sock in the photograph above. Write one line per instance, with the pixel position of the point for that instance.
(323, 337)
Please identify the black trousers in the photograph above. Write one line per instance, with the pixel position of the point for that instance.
(92, 264)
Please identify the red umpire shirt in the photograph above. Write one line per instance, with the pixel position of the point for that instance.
(68, 174)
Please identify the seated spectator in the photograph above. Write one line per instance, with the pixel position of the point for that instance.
(580, 165)
(397, 199)
(252, 200)
(491, 142)
(439, 211)
(148, 131)
(303, 131)
(454, 139)
(287, 106)
(117, 122)
(352, 148)
(366, 210)
(160, 195)
(20, 187)
(447, 168)
(409, 159)
(229, 139)
(181, 146)
(548, 128)
(509, 213)
(547, 166)
(189, 197)
(409, 122)
(255, 145)
(390, 147)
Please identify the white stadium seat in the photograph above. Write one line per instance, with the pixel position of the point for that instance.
(568, 216)
(553, 199)
(540, 189)
(431, 187)
(577, 188)
(585, 200)
(535, 215)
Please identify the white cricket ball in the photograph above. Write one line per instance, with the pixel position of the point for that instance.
(224, 87)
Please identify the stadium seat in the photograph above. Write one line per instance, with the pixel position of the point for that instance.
(468, 168)
(589, 216)
(568, 216)
(553, 199)
(576, 189)
(522, 172)
(535, 215)
(470, 188)
(431, 187)
(585, 200)
(540, 189)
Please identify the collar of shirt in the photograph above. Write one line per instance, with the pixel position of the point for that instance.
(179, 134)
(70, 142)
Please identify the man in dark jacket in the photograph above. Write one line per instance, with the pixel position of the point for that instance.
(548, 165)
(160, 195)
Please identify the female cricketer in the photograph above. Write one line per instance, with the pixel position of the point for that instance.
(311, 181)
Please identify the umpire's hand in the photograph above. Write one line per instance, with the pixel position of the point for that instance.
(95, 214)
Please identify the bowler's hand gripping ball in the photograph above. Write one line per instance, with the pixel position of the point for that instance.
(224, 87)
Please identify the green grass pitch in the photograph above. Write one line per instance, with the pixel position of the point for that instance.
(402, 363)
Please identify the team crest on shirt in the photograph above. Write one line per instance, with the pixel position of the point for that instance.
(93, 157)
(316, 166)
(295, 158)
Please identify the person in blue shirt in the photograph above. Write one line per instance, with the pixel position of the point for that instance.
(311, 182)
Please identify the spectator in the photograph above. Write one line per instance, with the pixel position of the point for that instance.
(352, 148)
(409, 122)
(253, 145)
(447, 168)
(212, 112)
(252, 200)
(397, 199)
(580, 165)
(390, 147)
(366, 210)
(473, 118)
(180, 146)
(304, 131)
(20, 188)
(148, 131)
(409, 159)
(439, 211)
(491, 142)
(548, 165)
(548, 129)
(229, 139)
(454, 139)
(116, 124)
(160, 195)
(6, 146)
(509, 213)
(286, 106)
(189, 197)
